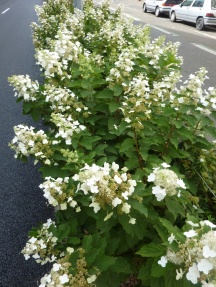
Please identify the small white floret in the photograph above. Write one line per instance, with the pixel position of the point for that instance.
(162, 261)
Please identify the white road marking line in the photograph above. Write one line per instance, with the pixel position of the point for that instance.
(206, 34)
(164, 31)
(209, 50)
(134, 18)
(5, 10)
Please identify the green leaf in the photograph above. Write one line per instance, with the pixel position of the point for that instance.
(161, 232)
(157, 270)
(86, 84)
(113, 106)
(121, 266)
(87, 242)
(174, 206)
(63, 231)
(104, 94)
(137, 230)
(117, 89)
(87, 141)
(144, 153)
(75, 84)
(158, 282)
(53, 171)
(145, 270)
(36, 115)
(91, 256)
(152, 250)
(139, 207)
(127, 145)
(109, 279)
(176, 123)
(172, 229)
(104, 262)
(175, 142)
(73, 240)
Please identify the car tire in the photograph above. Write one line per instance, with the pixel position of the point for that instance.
(173, 17)
(157, 12)
(144, 8)
(200, 24)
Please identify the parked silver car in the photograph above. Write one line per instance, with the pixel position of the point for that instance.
(159, 6)
(201, 12)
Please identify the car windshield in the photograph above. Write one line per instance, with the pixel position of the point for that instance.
(213, 4)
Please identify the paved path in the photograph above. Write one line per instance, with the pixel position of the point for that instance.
(21, 201)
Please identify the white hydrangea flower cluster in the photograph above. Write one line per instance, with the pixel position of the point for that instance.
(24, 87)
(161, 90)
(28, 142)
(66, 127)
(55, 191)
(197, 254)
(66, 45)
(64, 48)
(123, 66)
(49, 16)
(41, 247)
(115, 31)
(156, 48)
(63, 100)
(107, 185)
(192, 94)
(50, 62)
(59, 273)
(113, 35)
(166, 182)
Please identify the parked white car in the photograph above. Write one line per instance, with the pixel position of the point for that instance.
(159, 6)
(200, 12)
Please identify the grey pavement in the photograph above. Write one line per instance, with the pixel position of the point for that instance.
(22, 204)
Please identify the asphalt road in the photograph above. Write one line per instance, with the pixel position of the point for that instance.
(22, 204)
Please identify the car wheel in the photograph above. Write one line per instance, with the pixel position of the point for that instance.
(200, 24)
(157, 12)
(144, 8)
(173, 17)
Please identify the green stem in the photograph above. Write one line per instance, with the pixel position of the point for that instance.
(196, 127)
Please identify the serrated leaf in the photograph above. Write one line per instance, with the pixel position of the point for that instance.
(152, 250)
(73, 240)
(87, 243)
(104, 262)
(104, 94)
(127, 144)
(138, 229)
(117, 89)
(53, 171)
(161, 232)
(172, 229)
(87, 141)
(121, 266)
(174, 207)
(139, 207)
(113, 106)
